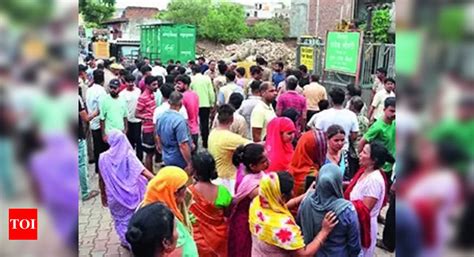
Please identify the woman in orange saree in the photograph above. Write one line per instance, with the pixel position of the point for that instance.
(309, 156)
(210, 202)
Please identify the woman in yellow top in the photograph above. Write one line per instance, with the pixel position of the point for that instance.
(274, 230)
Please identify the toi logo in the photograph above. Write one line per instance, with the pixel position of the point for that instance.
(23, 224)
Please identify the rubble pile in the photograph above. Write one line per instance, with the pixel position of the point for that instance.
(250, 49)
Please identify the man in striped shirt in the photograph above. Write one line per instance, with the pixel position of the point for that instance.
(145, 108)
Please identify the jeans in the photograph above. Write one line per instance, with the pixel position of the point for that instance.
(134, 135)
(83, 174)
(204, 113)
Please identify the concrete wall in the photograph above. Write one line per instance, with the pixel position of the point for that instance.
(299, 18)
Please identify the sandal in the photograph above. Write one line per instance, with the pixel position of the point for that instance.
(91, 195)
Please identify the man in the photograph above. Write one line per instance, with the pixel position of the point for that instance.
(166, 91)
(202, 85)
(357, 105)
(249, 104)
(314, 92)
(93, 98)
(266, 72)
(379, 78)
(305, 79)
(203, 67)
(239, 125)
(172, 135)
(292, 99)
(83, 81)
(352, 92)
(241, 79)
(113, 111)
(91, 67)
(130, 96)
(263, 112)
(376, 109)
(84, 117)
(256, 74)
(338, 115)
(229, 88)
(211, 72)
(158, 70)
(191, 103)
(383, 130)
(220, 80)
(278, 74)
(145, 108)
(145, 70)
(222, 144)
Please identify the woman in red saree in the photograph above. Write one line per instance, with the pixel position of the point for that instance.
(280, 134)
(210, 202)
(309, 155)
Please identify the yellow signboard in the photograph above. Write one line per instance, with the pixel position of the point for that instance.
(101, 50)
(306, 56)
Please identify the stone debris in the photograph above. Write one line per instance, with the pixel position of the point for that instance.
(250, 49)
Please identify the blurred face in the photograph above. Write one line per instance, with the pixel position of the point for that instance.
(263, 164)
(130, 85)
(337, 142)
(390, 113)
(257, 76)
(153, 86)
(114, 91)
(180, 195)
(212, 66)
(180, 86)
(287, 136)
(364, 157)
(270, 94)
(380, 75)
(389, 86)
(146, 61)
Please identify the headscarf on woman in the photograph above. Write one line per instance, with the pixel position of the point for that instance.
(121, 171)
(163, 188)
(269, 218)
(279, 152)
(309, 155)
(328, 196)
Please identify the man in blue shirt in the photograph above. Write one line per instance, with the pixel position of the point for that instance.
(278, 74)
(172, 137)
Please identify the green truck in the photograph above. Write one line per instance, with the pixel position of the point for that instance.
(168, 41)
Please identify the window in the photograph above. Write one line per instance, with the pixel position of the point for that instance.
(255, 14)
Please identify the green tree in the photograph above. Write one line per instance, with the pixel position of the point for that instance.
(29, 13)
(266, 30)
(225, 22)
(380, 25)
(186, 11)
(96, 11)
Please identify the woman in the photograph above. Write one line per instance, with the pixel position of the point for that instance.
(152, 231)
(336, 155)
(210, 201)
(169, 187)
(255, 160)
(344, 240)
(309, 156)
(273, 228)
(125, 180)
(367, 192)
(280, 133)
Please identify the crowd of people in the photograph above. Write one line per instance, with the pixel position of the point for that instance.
(210, 159)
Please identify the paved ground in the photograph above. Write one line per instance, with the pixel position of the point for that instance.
(97, 235)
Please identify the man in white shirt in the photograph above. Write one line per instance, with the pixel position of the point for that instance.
(228, 89)
(338, 115)
(93, 97)
(158, 70)
(377, 106)
(130, 96)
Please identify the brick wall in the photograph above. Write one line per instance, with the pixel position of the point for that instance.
(329, 15)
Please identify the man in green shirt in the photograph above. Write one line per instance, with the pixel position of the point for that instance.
(202, 85)
(383, 130)
(113, 111)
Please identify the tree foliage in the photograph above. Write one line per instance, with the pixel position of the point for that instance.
(266, 29)
(186, 11)
(96, 11)
(30, 13)
(225, 22)
(380, 25)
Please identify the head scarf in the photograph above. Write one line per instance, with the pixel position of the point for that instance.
(164, 186)
(248, 184)
(310, 152)
(269, 218)
(279, 152)
(329, 195)
(121, 171)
